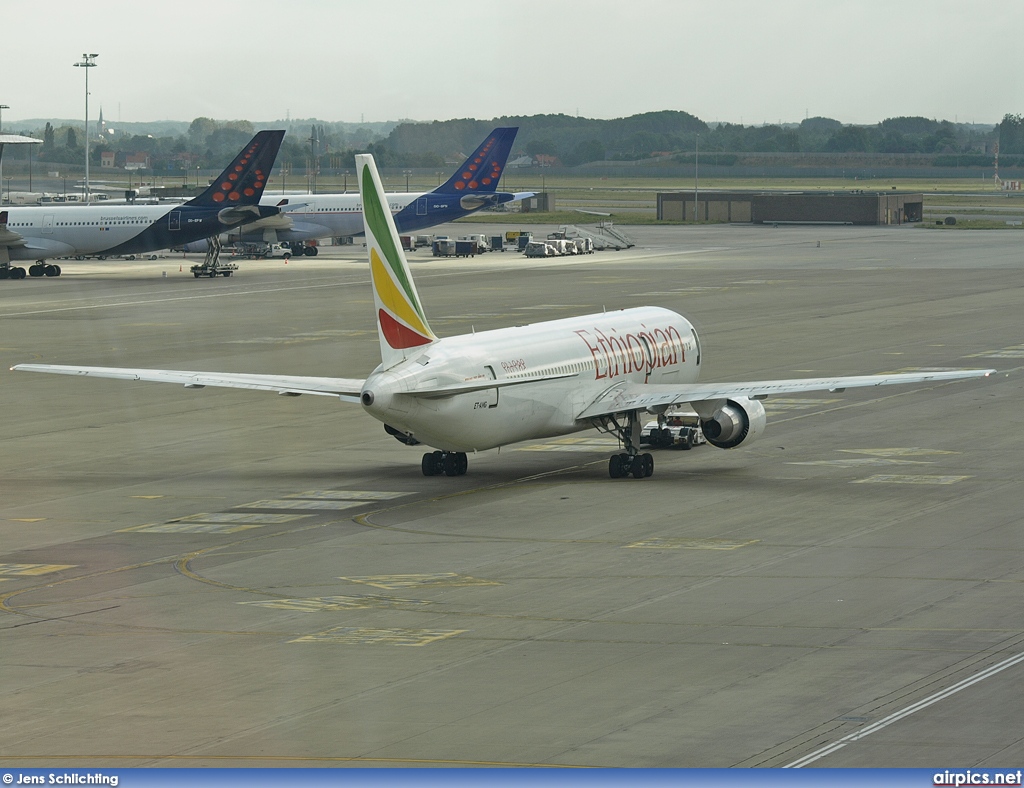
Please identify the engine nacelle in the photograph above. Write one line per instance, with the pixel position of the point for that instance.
(736, 421)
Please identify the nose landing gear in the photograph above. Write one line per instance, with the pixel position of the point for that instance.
(444, 463)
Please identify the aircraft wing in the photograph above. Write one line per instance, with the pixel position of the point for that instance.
(9, 238)
(626, 396)
(346, 389)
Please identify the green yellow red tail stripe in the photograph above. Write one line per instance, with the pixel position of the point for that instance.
(401, 322)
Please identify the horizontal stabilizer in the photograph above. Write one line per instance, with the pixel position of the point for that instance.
(347, 389)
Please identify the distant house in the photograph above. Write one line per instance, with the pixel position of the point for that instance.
(136, 161)
(543, 160)
(107, 159)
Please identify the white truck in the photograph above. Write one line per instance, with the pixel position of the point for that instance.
(676, 429)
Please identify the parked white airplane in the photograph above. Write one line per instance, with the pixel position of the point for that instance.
(40, 233)
(308, 217)
(478, 391)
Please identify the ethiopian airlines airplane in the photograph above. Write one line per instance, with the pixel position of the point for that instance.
(479, 391)
(307, 217)
(40, 233)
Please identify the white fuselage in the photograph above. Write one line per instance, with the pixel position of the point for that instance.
(68, 230)
(595, 352)
(309, 216)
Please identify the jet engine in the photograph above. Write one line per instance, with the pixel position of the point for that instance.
(732, 423)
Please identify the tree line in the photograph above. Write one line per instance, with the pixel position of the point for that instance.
(319, 145)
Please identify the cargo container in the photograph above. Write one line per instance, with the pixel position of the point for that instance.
(443, 247)
(465, 248)
(539, 249)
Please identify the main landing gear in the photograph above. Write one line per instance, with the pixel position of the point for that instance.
(43, 269)
(39, 268)
(444, 463)
(630, 462)
(639, 466)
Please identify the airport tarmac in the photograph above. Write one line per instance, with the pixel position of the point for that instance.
(229, 578)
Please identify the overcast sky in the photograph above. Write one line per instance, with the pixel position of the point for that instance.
(859, 61)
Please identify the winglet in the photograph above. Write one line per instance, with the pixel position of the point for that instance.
(482, 170)
(401, 322)
(243, 181)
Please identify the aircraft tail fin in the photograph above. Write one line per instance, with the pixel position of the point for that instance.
(401, 322)
(243, 181)
(482, 170)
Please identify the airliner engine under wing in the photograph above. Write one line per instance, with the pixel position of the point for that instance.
(307, 217)
(483, 390)
(41, 233)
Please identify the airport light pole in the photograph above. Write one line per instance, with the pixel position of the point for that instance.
(696, 158)
(2, 108)
(87, 63)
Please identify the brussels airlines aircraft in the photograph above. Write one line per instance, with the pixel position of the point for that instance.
(492, 388)
(39, 233)
(309, 216)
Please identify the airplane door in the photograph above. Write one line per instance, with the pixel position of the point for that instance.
(48, 223)
(174, 220)
(648, 357)
(421, 206)
(491, 395)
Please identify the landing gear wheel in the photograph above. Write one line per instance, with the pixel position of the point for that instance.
(615, 466)
(311, 251)
(444, 463)
(51, 270)
(643, 466)
(7, 272)
(37, 269)
(18, 273)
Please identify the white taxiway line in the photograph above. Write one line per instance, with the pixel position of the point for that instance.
(899, 715)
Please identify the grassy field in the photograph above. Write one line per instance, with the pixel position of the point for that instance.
(634, 200)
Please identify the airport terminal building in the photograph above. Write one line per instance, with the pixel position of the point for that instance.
(853, 207)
